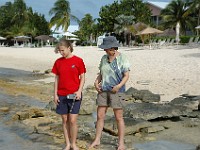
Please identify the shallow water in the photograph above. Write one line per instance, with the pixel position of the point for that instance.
(164, 145)
(21, 99)
(13, 137)
(11, 141)
(19, 75)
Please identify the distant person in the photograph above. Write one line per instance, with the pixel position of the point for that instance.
(69, 73)
(110, 83)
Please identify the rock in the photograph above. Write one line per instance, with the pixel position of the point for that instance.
(36, 71)
(150, 138)
(132, 125)
(29, 113)
(155, 128)
(150, 111)
(40, 124)
(144, 95)
(187, 102)
(51, 106)
(87, 106)
(48, 71)
(4, 109)
(198, 147)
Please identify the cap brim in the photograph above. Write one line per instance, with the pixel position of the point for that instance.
(109, 46)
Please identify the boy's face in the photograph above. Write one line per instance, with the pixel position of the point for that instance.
(110, 51)
(64, 51)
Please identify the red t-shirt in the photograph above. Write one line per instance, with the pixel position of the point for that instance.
(68, 70)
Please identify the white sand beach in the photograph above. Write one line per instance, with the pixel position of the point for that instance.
(169, 71)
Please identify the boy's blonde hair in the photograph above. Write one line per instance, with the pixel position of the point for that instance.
(63, 42)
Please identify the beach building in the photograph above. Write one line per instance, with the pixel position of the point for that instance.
(156, 8)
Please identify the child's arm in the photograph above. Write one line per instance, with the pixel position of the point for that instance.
(82, 82)
(56, 99)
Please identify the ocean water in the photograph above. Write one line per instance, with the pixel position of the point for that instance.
(19, 75)
(12, 137)
(10, 140)
(164, 145)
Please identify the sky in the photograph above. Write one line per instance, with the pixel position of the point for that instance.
(78, 7)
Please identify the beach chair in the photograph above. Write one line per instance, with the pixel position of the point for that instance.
(161, 43)
(193, 42)
(167, 42)
(190, 41)
(171, 43)
(2, 45)
(16, 44)
(196, 40)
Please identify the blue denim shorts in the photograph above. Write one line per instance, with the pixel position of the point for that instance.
(65, 105)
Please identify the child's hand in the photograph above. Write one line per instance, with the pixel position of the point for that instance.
(98, 87)
(56, 99)
(78, 95)
(115, 89)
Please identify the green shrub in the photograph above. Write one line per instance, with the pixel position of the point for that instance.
(184, 39)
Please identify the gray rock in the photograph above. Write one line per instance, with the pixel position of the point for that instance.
(51, 106)
(132, 125)
(150, 111)
(187, 102)
(87, 106)
(144, 95)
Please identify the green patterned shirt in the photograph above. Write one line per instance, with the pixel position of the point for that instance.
(112, 73)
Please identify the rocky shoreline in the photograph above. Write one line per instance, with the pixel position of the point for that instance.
(146, 118)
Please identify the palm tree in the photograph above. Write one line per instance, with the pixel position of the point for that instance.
(22, 14)
(123, 25)
(86, 27)
(62, 15)
(195, 8)
(178, 11)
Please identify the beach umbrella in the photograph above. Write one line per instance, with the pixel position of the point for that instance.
(2, 38)
(52, 39)
(22, 38)
(42, 37)
(73, 39)
(68, 34)
(149, 31)
(198, 27)
(168, 32)
(177, 32)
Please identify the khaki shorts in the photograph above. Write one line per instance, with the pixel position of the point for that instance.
(114, 100)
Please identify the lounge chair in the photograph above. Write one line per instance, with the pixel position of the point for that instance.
(190, 41)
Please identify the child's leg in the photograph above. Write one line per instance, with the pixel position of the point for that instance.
(120, 125)
(65, 131)
(101, 112)
(73, 130)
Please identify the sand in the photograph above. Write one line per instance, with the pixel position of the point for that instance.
(169, 71)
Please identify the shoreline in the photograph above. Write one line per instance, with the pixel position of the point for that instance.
(169, 71)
